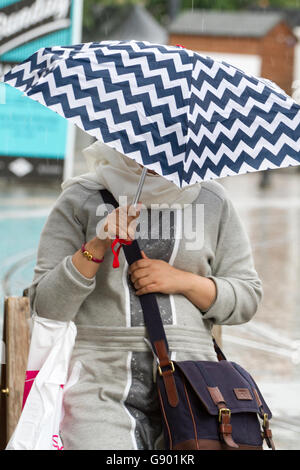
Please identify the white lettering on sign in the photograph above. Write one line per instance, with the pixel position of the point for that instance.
(39, 11)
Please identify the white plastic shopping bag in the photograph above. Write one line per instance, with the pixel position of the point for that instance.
(50, 351)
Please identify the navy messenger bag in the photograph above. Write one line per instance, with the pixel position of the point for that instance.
(205, 405)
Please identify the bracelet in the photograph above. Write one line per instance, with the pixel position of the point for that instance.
(89, 255)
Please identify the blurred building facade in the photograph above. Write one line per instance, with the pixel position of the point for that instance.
(292, 17)
(35, 143)
(260, 43)
(117, 23)
(125, 23)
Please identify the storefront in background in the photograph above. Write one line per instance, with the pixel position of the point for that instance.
(34, 141)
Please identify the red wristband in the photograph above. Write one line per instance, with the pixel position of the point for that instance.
(89, 255)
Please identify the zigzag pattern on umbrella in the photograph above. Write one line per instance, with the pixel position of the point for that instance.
(182, 114)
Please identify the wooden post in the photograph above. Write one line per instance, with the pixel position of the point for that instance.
(17, 339)
(3, 399)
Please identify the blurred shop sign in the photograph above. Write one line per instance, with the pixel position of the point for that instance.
(34, 141)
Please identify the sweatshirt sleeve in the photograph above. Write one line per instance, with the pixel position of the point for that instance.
(58, 288)
(239, 289)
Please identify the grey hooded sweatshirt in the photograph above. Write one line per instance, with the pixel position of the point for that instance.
(114, 404)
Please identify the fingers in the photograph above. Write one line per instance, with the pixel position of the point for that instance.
(134, 212)
(147, 289)
(142, 276)
(139, 274)
(122, 222)
(143, 282)
(132, 229)
(141, 263)
(127, 222)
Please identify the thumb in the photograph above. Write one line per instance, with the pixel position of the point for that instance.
(143, 255)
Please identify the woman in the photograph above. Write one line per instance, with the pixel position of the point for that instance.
(211, 280)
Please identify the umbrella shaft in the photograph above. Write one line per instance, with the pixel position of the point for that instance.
(140, 187)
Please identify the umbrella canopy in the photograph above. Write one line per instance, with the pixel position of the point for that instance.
(184, 115)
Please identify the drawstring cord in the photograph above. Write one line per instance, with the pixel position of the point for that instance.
(116, 263)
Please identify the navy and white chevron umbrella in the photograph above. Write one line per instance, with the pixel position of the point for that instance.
(184, 115)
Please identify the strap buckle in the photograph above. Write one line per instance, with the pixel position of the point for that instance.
(266, 420)
(224, 410)
(169, 370)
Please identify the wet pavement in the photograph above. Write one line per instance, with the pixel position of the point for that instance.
(268, 346)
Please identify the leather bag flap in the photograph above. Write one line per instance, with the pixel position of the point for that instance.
(213, 381)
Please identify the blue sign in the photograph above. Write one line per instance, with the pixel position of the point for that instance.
(27, 129)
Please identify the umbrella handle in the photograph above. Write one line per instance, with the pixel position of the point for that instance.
(140, 187)
(134, 203)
